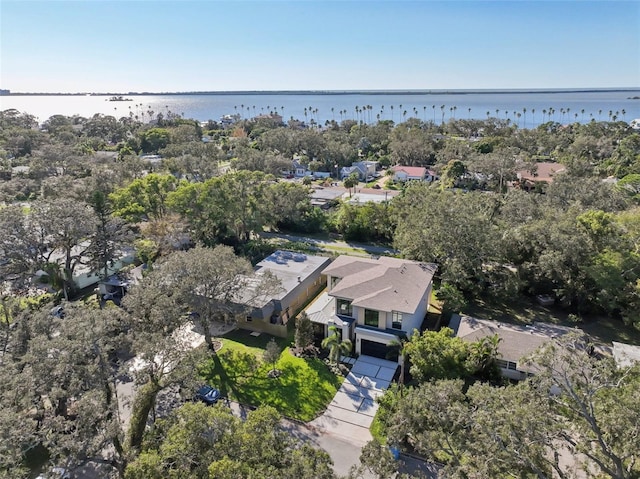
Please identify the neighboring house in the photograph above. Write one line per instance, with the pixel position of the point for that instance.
(325, 197)
(517, 342)
(300, 279)
(626, 355)
(541, 172)
(152, 159)
(20, 170)
(366, 170)
(408, 173)
(83, 275)
(431, 176)
(373, 301)
(417, 173)
(300, 170)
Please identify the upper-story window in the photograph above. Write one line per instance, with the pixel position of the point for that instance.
(334, 281)
(343, 307)
(396, 320)
(371, 317)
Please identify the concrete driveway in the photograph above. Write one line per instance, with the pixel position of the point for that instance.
(351, 411)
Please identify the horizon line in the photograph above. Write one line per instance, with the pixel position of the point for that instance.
(433, 91)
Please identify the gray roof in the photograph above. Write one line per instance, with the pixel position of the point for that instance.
(626, 355)
(383, 284)
(322, 310)
(291, 268)
(517, 341)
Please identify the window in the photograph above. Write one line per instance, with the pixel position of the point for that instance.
(506, 364)
(371, 318)
(396, 320)
(334, 281)
(344, 307)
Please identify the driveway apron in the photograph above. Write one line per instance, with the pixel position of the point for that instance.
(351, 411)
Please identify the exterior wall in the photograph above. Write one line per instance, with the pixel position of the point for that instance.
(300, 295)
(279, 330)
(511, 374)
(400, 176)
(385, 318)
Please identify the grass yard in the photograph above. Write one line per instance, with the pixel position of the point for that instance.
(302, 391)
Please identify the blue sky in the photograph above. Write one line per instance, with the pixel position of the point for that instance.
(67, 46)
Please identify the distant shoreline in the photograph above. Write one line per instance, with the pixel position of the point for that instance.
(339, 92)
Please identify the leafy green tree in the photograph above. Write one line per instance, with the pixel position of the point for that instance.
(304, 331)
(452, 173)
(336, 345)
(597, 400)
(215, 284)
(66, 224)
(111, 235)
(199, 442)
(154, 139)
(271, 355)
(60, 388)
(437, 355)
(452, 299)
(142, 197)
(227, 209)
(449, 228)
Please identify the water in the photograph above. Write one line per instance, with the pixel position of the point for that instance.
(560, 106)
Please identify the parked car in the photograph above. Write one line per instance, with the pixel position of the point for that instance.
(208, 395)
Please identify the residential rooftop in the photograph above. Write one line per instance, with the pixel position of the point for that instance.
(383, 283)
(290, 268)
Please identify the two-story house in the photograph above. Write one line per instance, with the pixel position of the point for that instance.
(374, 301)
(365, 170)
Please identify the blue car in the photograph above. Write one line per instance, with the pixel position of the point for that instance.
(208, 395)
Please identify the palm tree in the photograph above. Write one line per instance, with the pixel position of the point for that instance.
(336, 345)
(484, 353)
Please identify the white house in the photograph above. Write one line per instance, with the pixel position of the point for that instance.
(374, 301)
(407, 173)
(516, 342)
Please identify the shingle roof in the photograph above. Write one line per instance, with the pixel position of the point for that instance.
(383, 284)
(517, 341)
(544, 171)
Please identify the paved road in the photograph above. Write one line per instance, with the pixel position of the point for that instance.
(320, 243)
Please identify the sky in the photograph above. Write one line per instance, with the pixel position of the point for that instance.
(181, 45)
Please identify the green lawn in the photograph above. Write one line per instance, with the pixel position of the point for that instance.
(302, 391)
